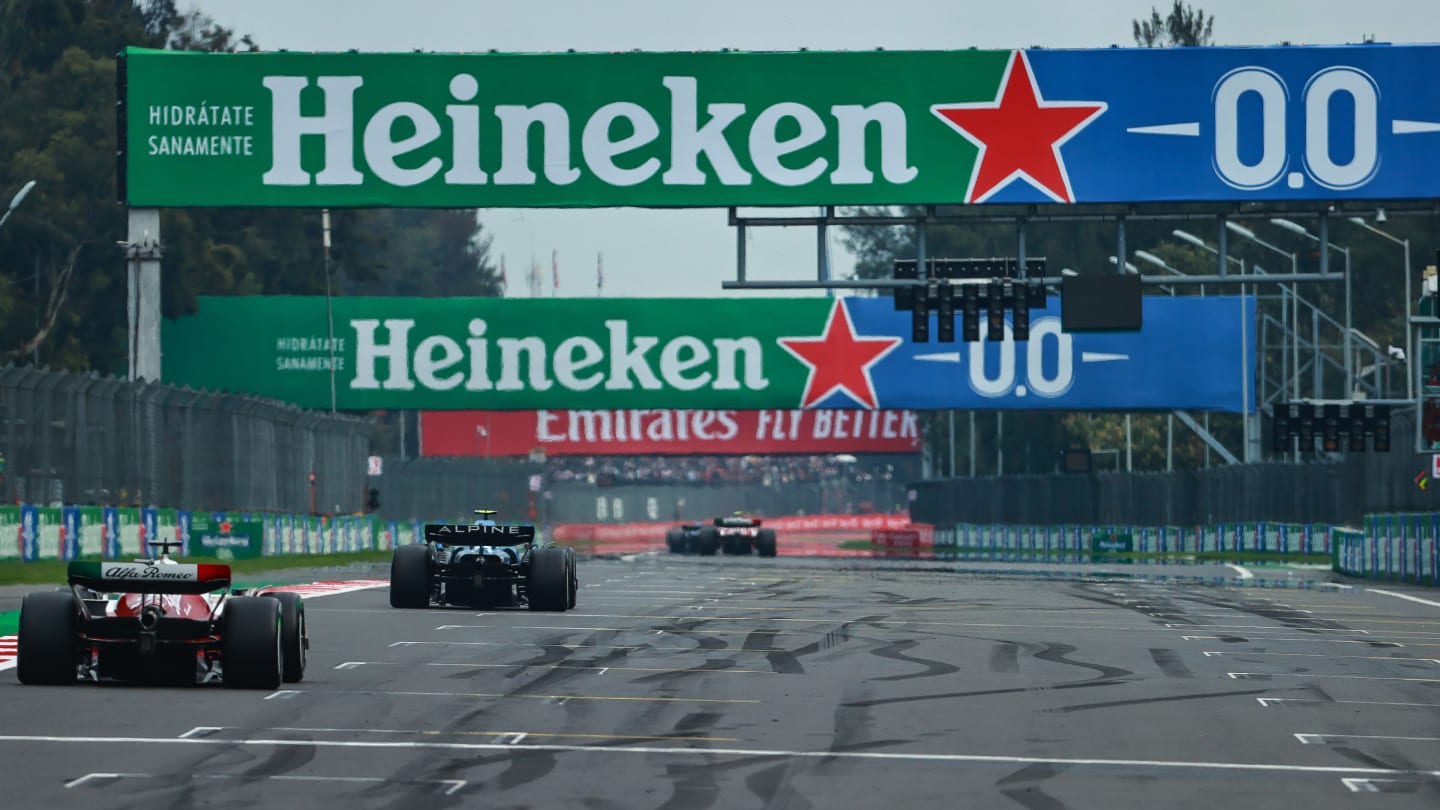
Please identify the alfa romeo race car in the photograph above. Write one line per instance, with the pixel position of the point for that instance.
(736, 534)
(484, 565)
(156, 620)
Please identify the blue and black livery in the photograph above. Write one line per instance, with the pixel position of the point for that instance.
(483, 564)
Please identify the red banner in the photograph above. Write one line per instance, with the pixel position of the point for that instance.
(805, 525)
(666, 432)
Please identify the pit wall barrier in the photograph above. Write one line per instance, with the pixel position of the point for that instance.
(1075, 541)
(1401, 547)
(31, 533)
(837, 525)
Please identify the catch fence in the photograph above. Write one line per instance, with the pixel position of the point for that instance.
(83, 439)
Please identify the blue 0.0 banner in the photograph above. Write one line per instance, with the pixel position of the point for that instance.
(1192, 353)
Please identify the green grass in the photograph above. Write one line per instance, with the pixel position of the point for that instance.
(9, 622)
(52, 572)
(1202, 556)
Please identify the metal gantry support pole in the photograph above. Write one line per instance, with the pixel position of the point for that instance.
(1349, 328)
(972, 444)
(142, 253)
(1022, 271)
(952, 443)
(822, 251)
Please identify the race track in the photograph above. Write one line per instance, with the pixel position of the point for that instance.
(791, 683)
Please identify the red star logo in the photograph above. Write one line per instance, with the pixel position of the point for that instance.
(224, 527)
(1019, 135)
(839, 361)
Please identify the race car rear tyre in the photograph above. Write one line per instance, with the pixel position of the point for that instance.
(574, 578)
(46, 648)
(765, 543)
(674, 541)
(293, 640)
(707, 542)
(250, 645)
(410, 577)
(548, 587)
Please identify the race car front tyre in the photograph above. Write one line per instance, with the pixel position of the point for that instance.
(250, 645)
(674, 541)
(765, 543)
(548, 587)
(46, 648)
(293, 641)
(707, 542)
(410, 577)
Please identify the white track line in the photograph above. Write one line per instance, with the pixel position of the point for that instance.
(1235, 676)
(1319, 739)
(452, 785)
(1407, 597)
(1267, 701)
(1212, 653)
(710, 753)
(1240, 569)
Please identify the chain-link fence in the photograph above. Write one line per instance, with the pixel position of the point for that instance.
(1339, 491)
(450, 488)
(85, 439)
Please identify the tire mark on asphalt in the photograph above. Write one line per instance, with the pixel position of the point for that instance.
(852, 717)
(985, 693)
(695, 724)
(895, 652)
(1082, 707)
(782, 661)
(1023, 787)
(772, 786)
(710, 665)
(891, 599)
(1056, 653)
(692, 786)
(526, 767)
(283, 761)
(1005, 657)
(1169, 663)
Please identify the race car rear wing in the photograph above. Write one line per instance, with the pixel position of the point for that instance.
(149, 577)
(460, 534)
(737, 522)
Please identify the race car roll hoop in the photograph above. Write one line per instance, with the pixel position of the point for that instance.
(484, 565)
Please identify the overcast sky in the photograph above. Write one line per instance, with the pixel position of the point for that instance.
(681, 253)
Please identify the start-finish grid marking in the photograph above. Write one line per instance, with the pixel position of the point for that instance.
(309, 590)
(879, 756)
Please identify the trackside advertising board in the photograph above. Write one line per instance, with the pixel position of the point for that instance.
(662, 431)
(744, 354)
(808, 128)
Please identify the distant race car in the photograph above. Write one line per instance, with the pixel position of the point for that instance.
(736, 534)
(156, 620)
(484, 564)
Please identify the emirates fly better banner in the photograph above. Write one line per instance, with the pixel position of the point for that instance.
(815, 128)
(700, 354)
(666, 432)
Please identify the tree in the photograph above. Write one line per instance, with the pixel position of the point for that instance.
(62, 279)
(1183, 26)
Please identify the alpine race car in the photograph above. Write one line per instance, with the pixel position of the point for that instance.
(484, 565)
(159, 621)
(692, 538)
(736, 534)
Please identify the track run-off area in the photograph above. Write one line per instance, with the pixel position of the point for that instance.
(793, 683)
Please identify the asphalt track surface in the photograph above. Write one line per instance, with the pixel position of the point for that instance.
(792, 683)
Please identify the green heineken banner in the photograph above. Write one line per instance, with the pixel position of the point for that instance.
(226, 539)
(810, 128)
(700, 354)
